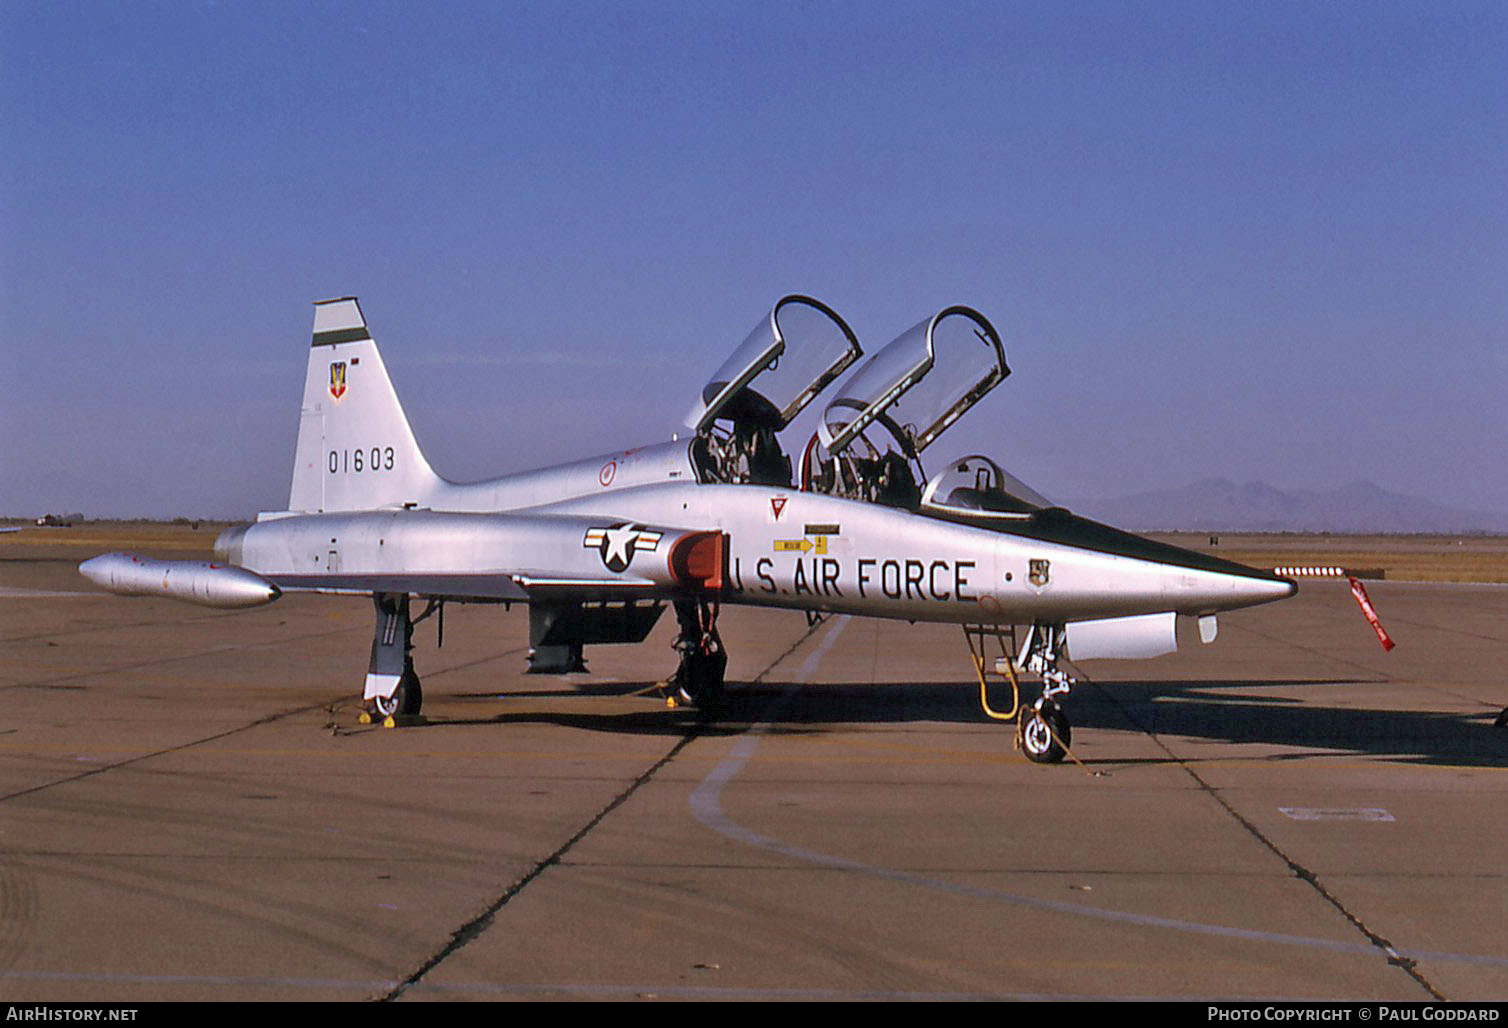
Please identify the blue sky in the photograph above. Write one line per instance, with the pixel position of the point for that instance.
(1259, 241)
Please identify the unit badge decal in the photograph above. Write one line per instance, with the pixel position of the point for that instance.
(338, 379)
(617, 544)
(1038, 572)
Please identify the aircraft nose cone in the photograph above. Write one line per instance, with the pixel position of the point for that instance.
(1257, 587)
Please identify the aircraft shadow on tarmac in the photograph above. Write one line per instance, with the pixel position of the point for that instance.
(1236, 711)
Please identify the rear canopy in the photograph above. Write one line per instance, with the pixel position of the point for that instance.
(789, 357)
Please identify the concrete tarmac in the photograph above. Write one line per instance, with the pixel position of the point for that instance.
(189, 810)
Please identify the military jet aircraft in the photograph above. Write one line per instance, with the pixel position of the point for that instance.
(599, 547)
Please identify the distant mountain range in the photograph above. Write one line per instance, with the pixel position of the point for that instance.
(1218, 504)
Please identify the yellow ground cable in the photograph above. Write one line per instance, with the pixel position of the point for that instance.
(1083, 680)
(1071, 756)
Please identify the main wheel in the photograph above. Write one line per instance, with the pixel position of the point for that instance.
(1045, 734)
(699, 679)
(407, 700)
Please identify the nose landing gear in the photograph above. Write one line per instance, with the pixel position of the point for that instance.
(1042, 729)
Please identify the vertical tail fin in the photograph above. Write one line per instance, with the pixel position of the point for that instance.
(355, 448)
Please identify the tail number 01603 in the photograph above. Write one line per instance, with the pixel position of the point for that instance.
(377, 458)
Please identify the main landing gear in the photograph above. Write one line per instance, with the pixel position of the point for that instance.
(392, 688)
(1042, 729)
(698, 681)
(407, 699)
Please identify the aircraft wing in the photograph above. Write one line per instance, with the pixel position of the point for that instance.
(520, 586)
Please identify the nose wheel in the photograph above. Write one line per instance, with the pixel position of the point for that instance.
(1044, 733)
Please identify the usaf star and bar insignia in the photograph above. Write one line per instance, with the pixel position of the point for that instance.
(616, 545)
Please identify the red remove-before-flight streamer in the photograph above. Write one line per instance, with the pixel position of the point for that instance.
(1365, 603)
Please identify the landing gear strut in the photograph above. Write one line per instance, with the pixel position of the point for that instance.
(392, 687)
(698, 681)
(1042, 729)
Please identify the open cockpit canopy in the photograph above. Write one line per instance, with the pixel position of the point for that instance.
(792, 355)
(918, 385)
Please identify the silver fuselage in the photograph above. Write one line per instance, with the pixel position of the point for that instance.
(786, 548)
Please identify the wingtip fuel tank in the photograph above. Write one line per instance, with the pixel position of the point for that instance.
(196, 581)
